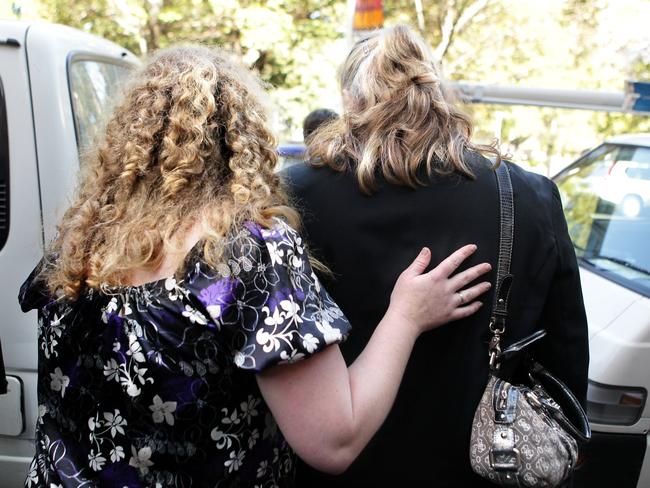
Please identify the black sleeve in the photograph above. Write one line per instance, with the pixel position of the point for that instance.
(565, 350)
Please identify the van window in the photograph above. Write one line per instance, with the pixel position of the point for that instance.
(94, 87)
(4, 170)
(606, 198)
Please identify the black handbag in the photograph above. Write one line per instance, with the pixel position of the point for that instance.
(520, 434)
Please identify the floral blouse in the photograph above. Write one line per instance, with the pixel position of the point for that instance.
(154, 385)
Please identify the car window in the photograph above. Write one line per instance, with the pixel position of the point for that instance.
(606, 198)
(94, 86)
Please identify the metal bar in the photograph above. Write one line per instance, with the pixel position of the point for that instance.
(604, 101)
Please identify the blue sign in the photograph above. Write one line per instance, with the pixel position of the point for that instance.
(638, 95)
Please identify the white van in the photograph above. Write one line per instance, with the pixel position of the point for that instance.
(55, 83)
(606, 196)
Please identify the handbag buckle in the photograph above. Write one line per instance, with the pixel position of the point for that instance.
(495, 350)
(542, 401)
(505, 460)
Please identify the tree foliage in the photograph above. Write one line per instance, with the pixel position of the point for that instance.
(296, 46)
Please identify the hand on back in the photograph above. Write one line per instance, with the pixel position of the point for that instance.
(425, 301)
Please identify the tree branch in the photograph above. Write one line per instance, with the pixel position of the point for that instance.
(455, 20)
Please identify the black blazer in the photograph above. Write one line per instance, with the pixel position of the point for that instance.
(368, 240)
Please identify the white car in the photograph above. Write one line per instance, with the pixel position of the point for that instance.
(606, 195)
(55, 85)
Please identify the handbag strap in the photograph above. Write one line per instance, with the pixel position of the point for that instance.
(506, 238)
(504, 278)
(580, 431)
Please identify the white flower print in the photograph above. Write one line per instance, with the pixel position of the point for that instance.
(111, 370)
(293, 357)
(275, 253)
(59, 381)
(221, 438)
(135, 348)
(126, 309)
(235, 461)
(248, 408)
(162, 411)
(330, 334)
(110, 308)
(296, 262)
(141, 459)
(261, 470)
(115, 422)
(268, 341)
(42, 410)
(51, 334)
(291, 310)
(253, 438)
(275, 318)
(316, 282)
(233, 418)
(298, 244)
(117, 453)
(310, 342)
(96, 460)
(214, 311)
(194, 315)
(239, 359)
(174, 291)
(32, 476)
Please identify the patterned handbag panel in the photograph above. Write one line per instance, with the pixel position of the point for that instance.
(540, 453)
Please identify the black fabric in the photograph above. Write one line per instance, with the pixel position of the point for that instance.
(368, 240)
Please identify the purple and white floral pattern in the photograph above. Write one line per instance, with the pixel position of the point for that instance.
(154, 386)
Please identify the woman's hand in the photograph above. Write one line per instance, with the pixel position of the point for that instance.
(328, 412)
(425, 301)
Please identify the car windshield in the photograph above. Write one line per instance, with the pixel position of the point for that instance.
(606, 197)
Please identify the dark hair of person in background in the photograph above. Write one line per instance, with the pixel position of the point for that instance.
(316, 119)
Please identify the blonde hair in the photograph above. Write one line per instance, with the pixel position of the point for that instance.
(399, 115)
(188, 143)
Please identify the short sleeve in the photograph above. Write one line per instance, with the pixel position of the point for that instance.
(279, 311)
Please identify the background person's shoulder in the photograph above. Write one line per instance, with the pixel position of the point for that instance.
(305, 176)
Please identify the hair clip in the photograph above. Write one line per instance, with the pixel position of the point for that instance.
(364, 45)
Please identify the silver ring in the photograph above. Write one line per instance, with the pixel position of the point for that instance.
(462, 298)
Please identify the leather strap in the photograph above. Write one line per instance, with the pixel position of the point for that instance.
(506, 237)
(580, 432)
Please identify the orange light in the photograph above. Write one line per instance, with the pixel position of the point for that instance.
(368, 15)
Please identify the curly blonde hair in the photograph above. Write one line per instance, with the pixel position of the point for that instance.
(398, 116)
(189, 142)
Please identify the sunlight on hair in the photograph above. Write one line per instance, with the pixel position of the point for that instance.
(399, 118)
(189, 143)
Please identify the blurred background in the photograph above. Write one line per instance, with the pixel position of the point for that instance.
(296, 46)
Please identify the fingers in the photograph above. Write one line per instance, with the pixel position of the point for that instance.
(421, 262)
(451, 264)
(472, 293)
(462, 279)
(466, 311)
